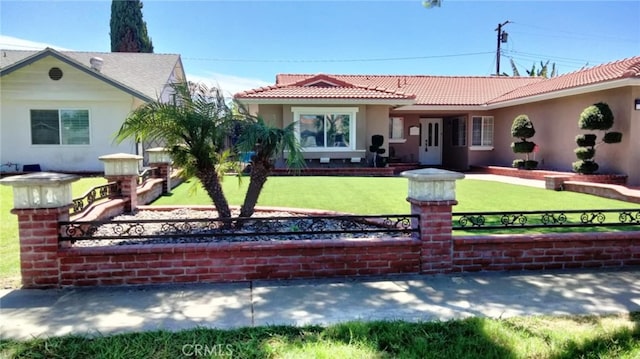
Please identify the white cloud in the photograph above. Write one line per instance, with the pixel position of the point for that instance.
(14, 43)
(229, 84)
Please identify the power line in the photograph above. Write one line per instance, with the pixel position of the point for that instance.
(577, 34)
(211, 59)
(523, 54)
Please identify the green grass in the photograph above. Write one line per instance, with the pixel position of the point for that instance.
(9, 249)
(528, 337)
(382, 195)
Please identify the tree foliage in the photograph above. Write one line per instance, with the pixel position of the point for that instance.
(128, 29)
(522, 128)
(198, 128)
(595, 117)
(543, 71)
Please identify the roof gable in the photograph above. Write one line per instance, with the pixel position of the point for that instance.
(322, 80)
(142, 75)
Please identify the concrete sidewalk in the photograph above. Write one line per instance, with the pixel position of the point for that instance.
(107, 310)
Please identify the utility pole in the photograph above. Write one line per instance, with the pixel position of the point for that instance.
(502, 37)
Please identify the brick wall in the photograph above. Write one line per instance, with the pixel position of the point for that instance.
(548, 251)
(240, 261)
(541, 174)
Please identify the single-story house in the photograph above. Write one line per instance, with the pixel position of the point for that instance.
(454, 121)
(61, 109)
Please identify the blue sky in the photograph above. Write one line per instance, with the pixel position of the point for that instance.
(243, 44)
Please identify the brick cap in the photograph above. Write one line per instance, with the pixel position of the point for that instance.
(432, 203)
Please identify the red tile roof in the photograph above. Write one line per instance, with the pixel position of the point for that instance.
(618, 70)
(437, 90)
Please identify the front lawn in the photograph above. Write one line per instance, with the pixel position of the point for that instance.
(382, 195)
(528, 337)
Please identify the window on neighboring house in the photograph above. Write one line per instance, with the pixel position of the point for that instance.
(396, 129)
(59, 127)
(482, 132)
(325, 128)
(459, 132)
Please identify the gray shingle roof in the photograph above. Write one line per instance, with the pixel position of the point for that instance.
(142, 73)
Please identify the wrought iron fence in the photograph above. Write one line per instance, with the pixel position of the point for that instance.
(110, 189)
(149, 172)
(240, 229)
(470, 221)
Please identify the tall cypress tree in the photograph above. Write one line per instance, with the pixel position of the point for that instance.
(128, 30)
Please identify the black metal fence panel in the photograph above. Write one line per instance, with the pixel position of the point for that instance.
(242, 229)
(470, 221)
(97, 193)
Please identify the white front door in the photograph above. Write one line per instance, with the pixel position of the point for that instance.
(430, 141)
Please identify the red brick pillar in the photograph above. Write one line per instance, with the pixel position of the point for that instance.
(40, 201)
(38, 228)
(164, 172)
(128, 190)
(432, 196)
(123, 168)
(435, 233)
(160, 157)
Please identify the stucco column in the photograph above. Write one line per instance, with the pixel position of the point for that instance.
(160, 158)
(40, 200)
(123, 168)
(432, 195)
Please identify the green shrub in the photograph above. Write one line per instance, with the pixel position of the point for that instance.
(596, 117)
(518, 164)
(522, 128)
(585, 153)
(530, 165)
(522, 147)
(586, 140)
(612, 137)
(585, 167)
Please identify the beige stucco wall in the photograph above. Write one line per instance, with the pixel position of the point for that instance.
(556, 124)
(370, 120)
(632, 140)
(30, 88)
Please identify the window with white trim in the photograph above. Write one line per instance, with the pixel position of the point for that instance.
(60, 127)
(325, 128)
(459, 132)
(396, 129)
(482, 132)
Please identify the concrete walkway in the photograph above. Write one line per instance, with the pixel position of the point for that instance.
(41, 313)
(506, 179)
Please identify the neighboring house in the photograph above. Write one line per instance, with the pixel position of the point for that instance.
(455, 121)
(61, 109)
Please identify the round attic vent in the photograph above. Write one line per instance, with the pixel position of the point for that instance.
(55, 73)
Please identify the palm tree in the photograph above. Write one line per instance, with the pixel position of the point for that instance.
(194, 128)
(265, 142)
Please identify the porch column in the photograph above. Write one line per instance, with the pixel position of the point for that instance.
(160, 158)
(40, 200)
(432, 195)
(123, 169)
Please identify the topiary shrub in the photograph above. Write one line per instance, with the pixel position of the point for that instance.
(595, 117)
(523, 129)
(586, 140)
(584, 153)
(612, 137)
(530, 165)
